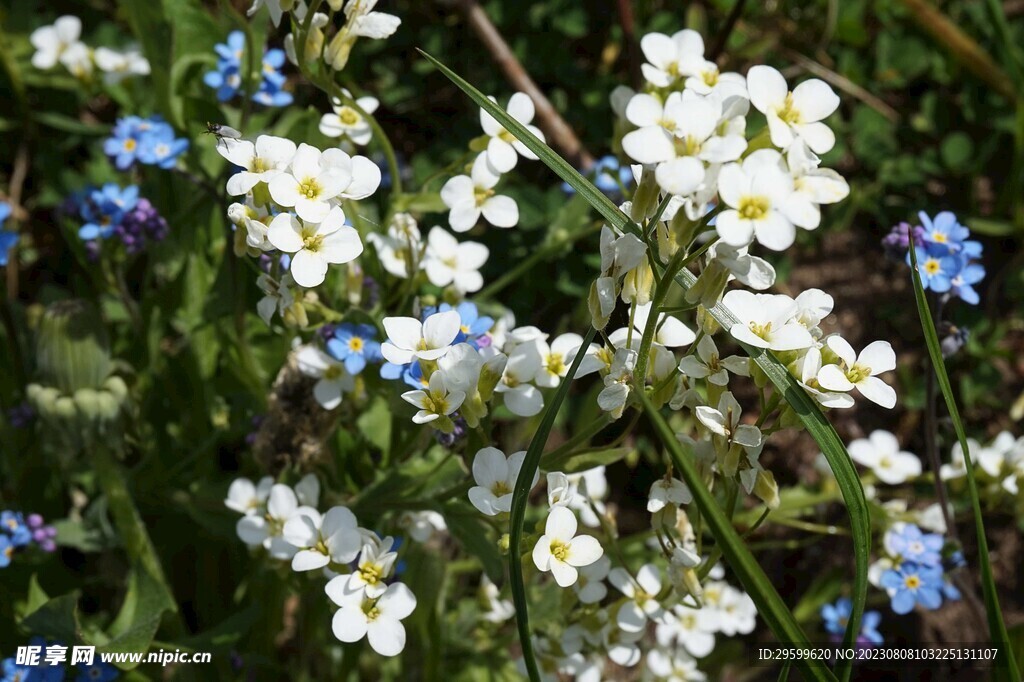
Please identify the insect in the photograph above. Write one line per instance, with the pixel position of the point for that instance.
(221, 132)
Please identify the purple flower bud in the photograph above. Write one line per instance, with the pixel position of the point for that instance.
(372, 291)
(897, 242)
(21, 415)
(34, 521)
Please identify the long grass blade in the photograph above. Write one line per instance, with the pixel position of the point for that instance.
(1007, 666)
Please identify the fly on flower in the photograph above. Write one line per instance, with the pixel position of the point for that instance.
(221, 131)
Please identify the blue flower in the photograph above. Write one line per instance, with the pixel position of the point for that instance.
(937, 269)
(231, 51)
(961, 285)
(273, 60)
(227, 78)
(907, 542)
(8, 240)
(13, 523)
(911, 583)
(5, 212)
(161, 148)
(6, 551)
(355, 345)
(836, 616)
(270, 95)
(14, 672)
(390, 371)
(609, 176)
(43, 671)
(412, 375)
(123, 146)
(97, 672)
(944, 231)
(104, 210)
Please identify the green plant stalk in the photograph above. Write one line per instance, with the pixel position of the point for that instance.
(997, 627)
(806, 409)
(520, 494)
(769, 604)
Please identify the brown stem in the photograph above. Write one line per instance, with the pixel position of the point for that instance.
(632, 46)
(549, 120)
(844, 84)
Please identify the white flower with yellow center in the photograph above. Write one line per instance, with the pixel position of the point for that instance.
(378, 619)
(409, 339)
(503, 149)
(667, 491)
(667, 56)
(495, 477)
(642, 593)
(618, 382)
(348, 122)
(812, 186)
(314, 246)
(448, 262)
(707, 364)
(52, 41)
(321, 540)
(561, 551)
(470, 196)
(435, 402)
(766, 321)
(266, 529)
(519, 394)
(401, 248)
(117, 66)
(757, 193)
(881, 453)
(246, 498)
(793, 115)
(557, 357)
(724, 422)
(860, 371)
(332, 379)
(261, 161)
(376, 561)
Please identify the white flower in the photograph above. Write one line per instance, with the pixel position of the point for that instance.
(957, 467)
(793, 115)
(590, 587)
(348, 122)
(401, 248)
(314, 246)
(613, 396)
(665, 491)
(315, 178)
(809, 366)
(436, 402)
(668, 57)
(119, 65)
(766, 321)
(754, 272)
(757, 193)
(449, 262)
(812, 186)
(687, 628)
(707, 364)
(379, 620)
(265, 530)
(813, 306)
(725, 422)
(591, 486)
(498, 610)
(277, 296)
(376, 560)
(364, 22)
(274, 7)
(557, 358)
(674, 666)
(503, 149)
(520, 396)
(642, 593)
(881, 453)
(51, 41)
(561, 490)
(332, 379)
(261, 161)
(495, 478)
(860, 371)
(77, 59)
(322, 539)
(408, 338)
(422, 525)
(669, 331)
(470, 196)
(560, 552)
(246, 498)
(307, 490)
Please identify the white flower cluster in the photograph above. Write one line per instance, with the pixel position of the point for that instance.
(468, 197)
(292, 203)
(999, 465)
(60, 44)
(360, 565)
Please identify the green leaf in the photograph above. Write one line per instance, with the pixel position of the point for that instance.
(472, 534)
(1006, 663)
(36, 595)
(770, 606)
(56, 619)
(581, 460)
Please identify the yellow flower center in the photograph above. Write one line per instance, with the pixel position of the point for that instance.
(310, 188)
(672, 69)
(753, 208)
(932, 266)
(710, 77)
(939, 237)
(259, 166)
(482, 194)
(762, 330)
(788, 113)
(556, 364)
(500, 488)
(687, 146)
(912, 582)
(355, 344)
(559, 550)
(349, 117)
(371, 573)
(858, 373)
(311, 241)
(333, 372)
(130, 144)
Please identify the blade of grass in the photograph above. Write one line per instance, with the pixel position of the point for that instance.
(770, 606)
(996, 625)
(519, 497)
(807, 410)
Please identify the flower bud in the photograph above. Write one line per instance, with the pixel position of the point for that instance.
(490, 374)
(72, 350)
(637, 284)
(766, 489)
(645, 199)
(706, 321)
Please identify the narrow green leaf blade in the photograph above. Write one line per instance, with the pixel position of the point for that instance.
(770, 606)
(519, 497)
(997, 627)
